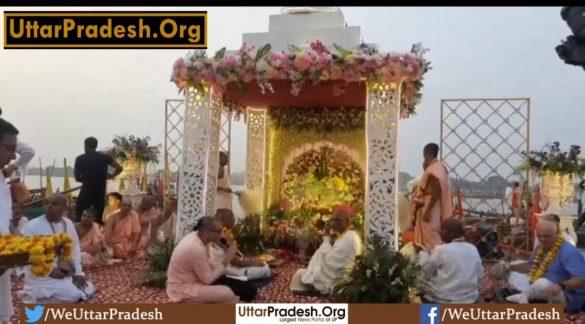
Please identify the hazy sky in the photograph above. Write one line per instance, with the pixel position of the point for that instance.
(59, 97)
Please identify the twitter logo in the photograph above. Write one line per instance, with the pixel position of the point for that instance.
(33, 315)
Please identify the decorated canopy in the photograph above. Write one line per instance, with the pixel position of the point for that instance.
(316, 77)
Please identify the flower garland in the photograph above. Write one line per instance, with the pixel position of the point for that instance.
(41, 250)
(321, 120)
(136, 148)
(538, 269)
(553, 159)
(313, 66)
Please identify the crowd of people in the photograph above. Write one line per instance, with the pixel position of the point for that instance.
(207, 267)
(99, 235)
(452, 267)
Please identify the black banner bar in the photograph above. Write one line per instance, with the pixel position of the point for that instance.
(105, 29)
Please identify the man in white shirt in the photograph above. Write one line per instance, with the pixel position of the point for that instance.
(25, 155)
(241, 267)
(329, 262)
(8, 138)
(66, 282)
(452, 271)
(17, 169)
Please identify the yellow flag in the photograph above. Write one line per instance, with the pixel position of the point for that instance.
(144, 180)
(49, 187)
(122, 185)
(66, 181)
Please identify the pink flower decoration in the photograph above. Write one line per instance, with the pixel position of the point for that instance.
(318, 47)
(371, 64)
(301, 62)
(336, 72)
(227, 63)
(324, 61)
(312, 66)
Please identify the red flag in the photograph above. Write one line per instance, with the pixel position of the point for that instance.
(515, 200)
(459, 204)
(160, 186)
(537, 208)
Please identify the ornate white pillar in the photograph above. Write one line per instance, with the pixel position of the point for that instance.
(382, 115)
(225, 132)
(198, 174)
(256, 157)
(213, 155)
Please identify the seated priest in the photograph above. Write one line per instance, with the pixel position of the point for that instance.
(114, 201)
(148, 213)
(452, 270)
(66, 283)
(194, 277)
(19, 218)
(122, 231)
(555, 272)
(242, 267)
(151, 219)
(91, 237)
(329, 262)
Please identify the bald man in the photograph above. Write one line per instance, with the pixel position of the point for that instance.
(66, 283)
(192, 276)
(453, 269)
(564, 278)
(329, 262)
(122, 231)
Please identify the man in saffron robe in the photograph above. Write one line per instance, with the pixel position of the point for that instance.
(123, 231)
(112, 207)
(432, 200)
(148, 213)
(91, 237)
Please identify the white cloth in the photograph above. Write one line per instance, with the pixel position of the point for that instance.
(21, 222)
(25, 154)
(46, 289)
(240, 273)
(410, 185)
(537, 290)
(6, 308)
(329, 262)
(508, 195)
(452, 273)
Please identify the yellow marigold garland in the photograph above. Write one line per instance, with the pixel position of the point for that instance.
(538, 269)
(41, 250)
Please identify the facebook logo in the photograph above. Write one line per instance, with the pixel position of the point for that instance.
(430, 314)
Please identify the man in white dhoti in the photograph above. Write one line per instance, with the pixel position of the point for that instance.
(555, 272)
(241, 267)
(329, 263)
(452, 271)
(66, 283)
(8, 137)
